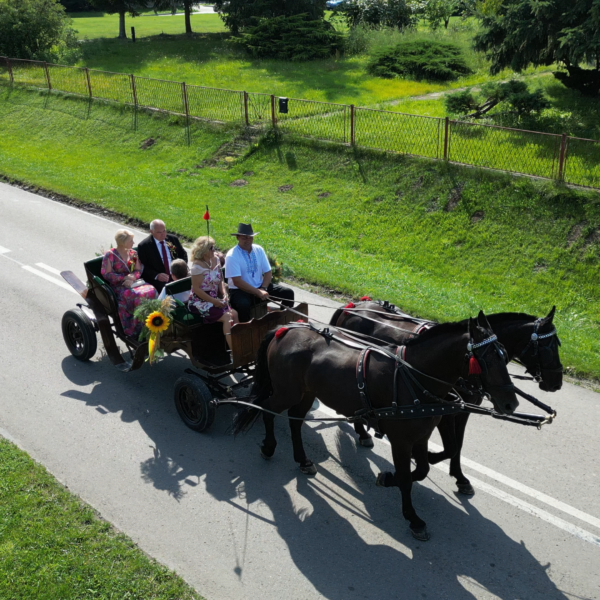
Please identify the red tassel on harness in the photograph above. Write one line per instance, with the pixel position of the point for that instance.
(349, 305)
(474, 367)
(365, 299)
(281, 332)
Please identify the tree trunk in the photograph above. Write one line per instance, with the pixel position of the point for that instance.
(446, 22)
(122, 32)
(187, 6)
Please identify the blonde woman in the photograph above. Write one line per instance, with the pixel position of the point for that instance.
(208, 291)
(122, 269)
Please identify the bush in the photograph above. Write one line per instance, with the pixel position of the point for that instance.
(376, 13)
(296, 38)
(420, 59)
(37, 30)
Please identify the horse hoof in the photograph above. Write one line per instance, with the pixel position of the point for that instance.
(366, 442)
(265, 456)
(422, 535)
(383, 479)
(309, 468)
(465, 488)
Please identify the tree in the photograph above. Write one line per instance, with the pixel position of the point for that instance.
(239, 15)
(76, 5)
(172, 6)
(36, 29)
(121, 7)
(377, 13)
(519, 33)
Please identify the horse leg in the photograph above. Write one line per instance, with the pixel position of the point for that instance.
(446, 427)
(364, 439)
(419, 453)
(269, 443)
(403, 479)
(463, 484)
(299, 411)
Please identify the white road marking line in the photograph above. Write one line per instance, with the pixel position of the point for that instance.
(43, 275)
(47, 268)
(513, 500)
(3, 250)
(537, 512)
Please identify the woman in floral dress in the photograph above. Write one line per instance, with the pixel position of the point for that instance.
(122, 269)
(208, 298)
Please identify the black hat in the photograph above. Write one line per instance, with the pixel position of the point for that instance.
(245, 229)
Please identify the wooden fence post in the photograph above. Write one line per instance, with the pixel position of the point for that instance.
(133, 90)
(352, 126)
(89, 83)
(561, 157)
(47, 75)
(10, 72)
(446, 132)
(273, 117)
(246, 108)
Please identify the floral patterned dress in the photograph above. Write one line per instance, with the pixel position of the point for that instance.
(210, 284)
(114, 270)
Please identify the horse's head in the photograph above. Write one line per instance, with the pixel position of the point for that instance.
(541, 357)
(487, 360)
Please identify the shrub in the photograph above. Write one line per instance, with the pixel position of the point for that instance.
(420, 59)
(298, 37)
(38, 30)
(376, 13)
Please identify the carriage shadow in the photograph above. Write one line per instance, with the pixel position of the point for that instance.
(343, 534)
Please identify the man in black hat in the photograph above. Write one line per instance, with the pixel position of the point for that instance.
(249, 275)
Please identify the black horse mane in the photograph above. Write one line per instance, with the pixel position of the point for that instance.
(439, 329)
(505, 316)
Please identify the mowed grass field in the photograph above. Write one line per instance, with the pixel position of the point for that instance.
(439, 241)
(54, 546)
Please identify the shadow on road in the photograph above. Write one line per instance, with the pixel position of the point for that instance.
(468, 555)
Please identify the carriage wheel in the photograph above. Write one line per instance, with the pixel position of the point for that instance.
(79, 334)
(193, 401)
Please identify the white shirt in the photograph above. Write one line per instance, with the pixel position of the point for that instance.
(160, 247)
(250, 266)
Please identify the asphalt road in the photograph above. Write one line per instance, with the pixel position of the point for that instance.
(236, 526)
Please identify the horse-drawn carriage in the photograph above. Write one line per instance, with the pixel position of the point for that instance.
(205, 345)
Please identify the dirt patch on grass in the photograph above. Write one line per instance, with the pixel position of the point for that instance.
(575, 233)
(148, 143)
(324, 195)
(285, 188)
(238, 183)
(455, 196)
(478, 215)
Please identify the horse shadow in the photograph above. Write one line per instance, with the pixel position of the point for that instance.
(345, 536)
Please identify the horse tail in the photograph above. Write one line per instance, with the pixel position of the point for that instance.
(336, 315)
(262, 388)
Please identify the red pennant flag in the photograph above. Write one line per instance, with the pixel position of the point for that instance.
(206, 216)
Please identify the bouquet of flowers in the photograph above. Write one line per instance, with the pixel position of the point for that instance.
(156, 315)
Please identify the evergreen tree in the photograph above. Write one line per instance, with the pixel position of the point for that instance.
(519, 33)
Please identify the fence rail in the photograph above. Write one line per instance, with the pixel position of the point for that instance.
(561, 157)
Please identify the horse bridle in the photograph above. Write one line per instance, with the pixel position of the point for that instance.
(534, 342)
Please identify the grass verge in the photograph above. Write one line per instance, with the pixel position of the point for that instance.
(52, 545)
(438, 240)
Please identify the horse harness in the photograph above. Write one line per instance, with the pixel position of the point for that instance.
(537, 352)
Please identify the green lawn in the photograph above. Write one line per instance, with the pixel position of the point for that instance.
(360, 222)
(91, 26)
(53, 546)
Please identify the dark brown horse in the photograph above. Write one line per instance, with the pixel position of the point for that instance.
(530, 340)
(296, 365)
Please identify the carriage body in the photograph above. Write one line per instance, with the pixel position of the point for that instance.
(205, 345)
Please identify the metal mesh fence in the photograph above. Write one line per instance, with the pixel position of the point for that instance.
(160, 94)
(487, 146)
(215, 104)
(259, 108)
(72, 80)
(582, 162)
(514, 150)
(29, 72)
(111, 86)
(320, 120)
(398, 132)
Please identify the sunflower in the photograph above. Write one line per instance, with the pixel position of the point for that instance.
(157, 322)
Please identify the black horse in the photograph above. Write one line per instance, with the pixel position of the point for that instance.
(297, 364)
(530, 340)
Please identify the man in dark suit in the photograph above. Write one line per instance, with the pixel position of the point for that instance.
(156, 253)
